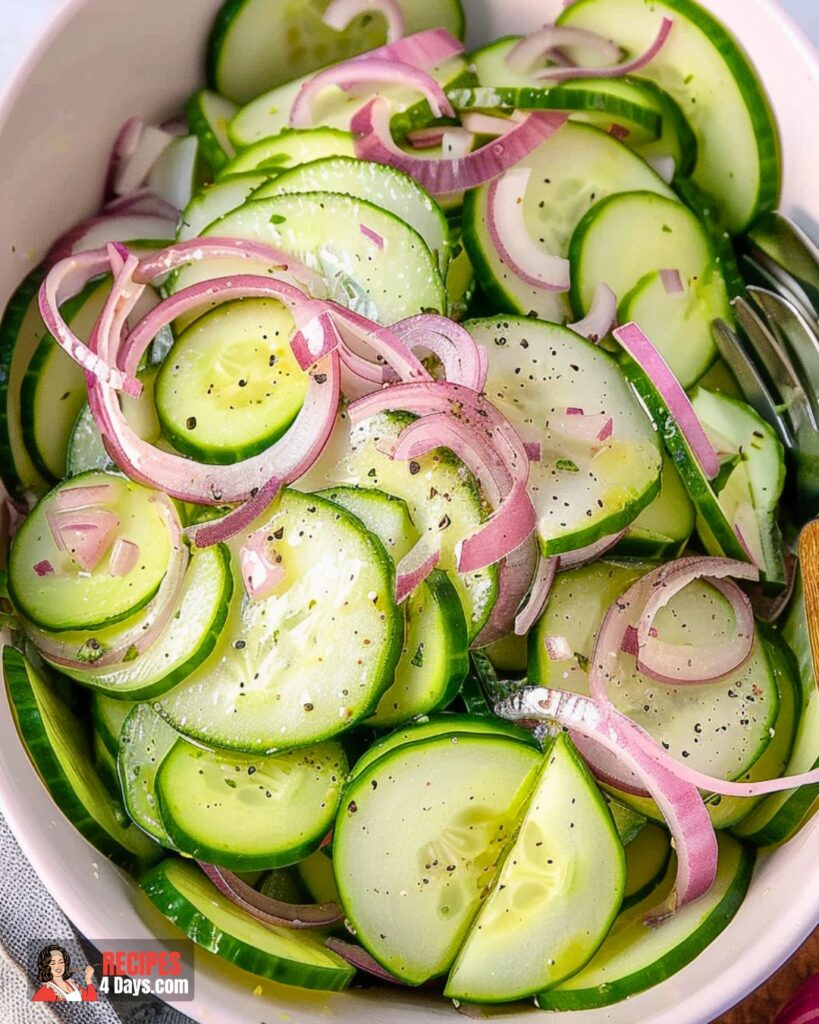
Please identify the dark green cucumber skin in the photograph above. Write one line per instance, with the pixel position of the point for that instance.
(29, 723)
(632, 899)
(726, 258)
(204, 933)
(653, 974)
(490, 287)
(214, 156)
(686, 139)
(155, 689)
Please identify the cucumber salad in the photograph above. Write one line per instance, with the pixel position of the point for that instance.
(400, 584)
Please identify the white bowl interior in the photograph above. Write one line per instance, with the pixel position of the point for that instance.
(104, 60)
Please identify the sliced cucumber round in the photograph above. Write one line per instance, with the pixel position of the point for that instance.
(288, 149)
(144, 742)
(647, 858)
(583, 490)
(662, 530)
(316, 875)
(191, 902)
(249, 813)
(208, 116)
(417, 843)
(216, 200)
(109, 716)
(556, 895)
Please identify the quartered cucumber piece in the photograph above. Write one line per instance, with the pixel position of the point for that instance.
(109, 716)
(633, 957)
(257, 44)
(188, 639)
(662, 530)
(441, 494)
(323, 230)
(750, 496)
(647, 860)
(231, 386)
(571, 171)
(446, 724)
(720, 728)
(208, 116)
(289, 149)
(144, 742)
(58, 745)
(650, 233)
(417, 843)
(249, 813)
(557, 892)
(69, 597)
(383, 186)
(216, 200)
(582, 489)
(314, 656)
(434, 657)
(704, 69)
(191, 902)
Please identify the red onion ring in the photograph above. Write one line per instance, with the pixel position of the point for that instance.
(590, 553)
(672, 282)
(144, 202)
(415, 567)
(425, 50)
(260, 575)
(453, 345)
(267, 910)
(538, 595)
(216, 531)
(664, 166)
(530, 50)
(515, 575)
(484, 124)
(341, 13)
(601, 318)
(616, 70)
(359, 958)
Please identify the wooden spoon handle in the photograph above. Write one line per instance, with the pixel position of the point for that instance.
(809, 564)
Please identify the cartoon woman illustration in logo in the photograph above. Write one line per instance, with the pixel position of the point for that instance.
(54, 976)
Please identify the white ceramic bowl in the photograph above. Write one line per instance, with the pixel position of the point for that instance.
(101, 61)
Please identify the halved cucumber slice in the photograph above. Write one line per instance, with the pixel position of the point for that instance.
(63, 595)
(556, 895)
(187, 640)
(314, 656)
(647, 860)
(662, 530)
(208, 116)
(256, 44)
(289, 149)
(109, 716)
(216, 200)
(582, 489)
(230, 386)
(633, 957)
(324, 230)
(144, 742)
(750, 496)
(434, 657)
(58, 745)
(441, 494)
(652, 233)
(383, 186)
(249, 813)
(191, 902)
(417, 842)
(721, 728)
(571, 171)
(705, 70)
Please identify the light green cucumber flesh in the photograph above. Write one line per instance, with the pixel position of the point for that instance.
(144, 742)
(216, 200)
(662, 530)
(287, 149)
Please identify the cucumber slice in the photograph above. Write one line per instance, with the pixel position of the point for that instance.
(557, 893)
(316, 875)
(188, 639)
(313, 657)
(417, 842)
(215, 201)
(633, 957)
(628, 822)
(662, 530)
(383, 186)
(750, 496)
(435, 657)
(651, 232)
(460, 281)
(57, 744)
(289, 149)
(582, 491)
(144, 742)
(70, 598)
(441, 495)
(704, 69)
(53, 389)
(109, 716)
(676, 140)
(249, 813)
(508, 656)
(721, 728)
(191, 902)
(571, 171)
(105, 766)
(208, 116)
(647, 860)
(256, 44)
(230, 386)
(446, 724)
(323, 230)
(21, 331)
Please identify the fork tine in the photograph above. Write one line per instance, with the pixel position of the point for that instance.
(782, 242)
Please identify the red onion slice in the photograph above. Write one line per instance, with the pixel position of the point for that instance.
(645, 354)
(216, 531)
(415, 567)
(485, 124)
(124, 557)
(136, 149)
(664, 166)
(453, 345)
(86, 534)
(265, 909)
(515, 575)
(365, 74)
(601, 318)
(84, 495)
(426, 138)
(371, 126)
(672, 282)
(510, 235)
(616, 70)
(358, 333)
(359, 958)
(425, 50)
(590, 553)
(538, 596)
(260, 574)
(526, 54)
(340, 13)
(44, 568)
(558, 648)
(144, 202)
